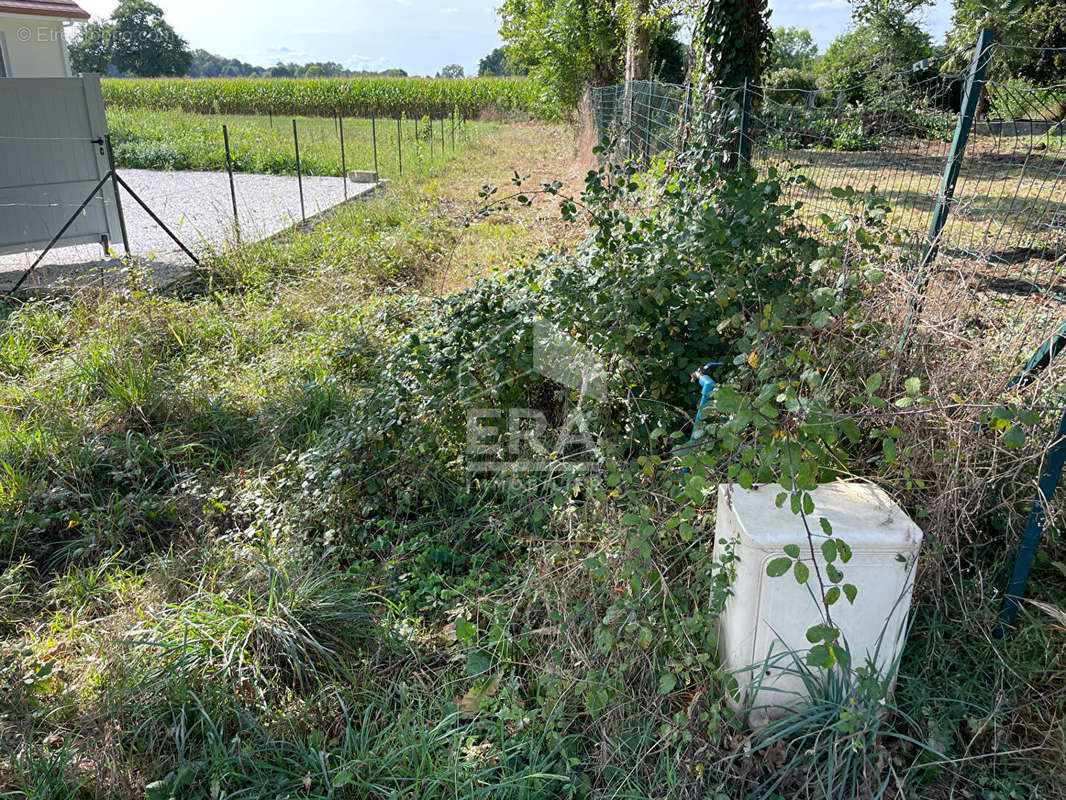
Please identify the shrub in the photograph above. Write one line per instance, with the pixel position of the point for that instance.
(792, 87)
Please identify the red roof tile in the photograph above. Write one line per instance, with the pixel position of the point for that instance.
(64, 9)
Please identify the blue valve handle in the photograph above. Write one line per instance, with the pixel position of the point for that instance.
(707, 387)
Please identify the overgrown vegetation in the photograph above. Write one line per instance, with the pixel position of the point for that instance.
(249, 553)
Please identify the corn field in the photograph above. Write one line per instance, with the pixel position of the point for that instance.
(328, 97)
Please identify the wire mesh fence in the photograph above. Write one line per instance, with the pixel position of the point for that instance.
(206, 182)
(895, 135)
(973, 168)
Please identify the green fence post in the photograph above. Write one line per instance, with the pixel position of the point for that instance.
(647, 132)
(1050, 474)
(975, 83)
(744, 145)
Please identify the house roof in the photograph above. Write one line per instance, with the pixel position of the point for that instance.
(64, 9)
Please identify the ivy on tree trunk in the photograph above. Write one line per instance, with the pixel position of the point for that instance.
(732, 40)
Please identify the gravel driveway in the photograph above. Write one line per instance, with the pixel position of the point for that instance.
(198, 208)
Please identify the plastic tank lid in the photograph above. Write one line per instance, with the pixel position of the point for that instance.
(862, 514)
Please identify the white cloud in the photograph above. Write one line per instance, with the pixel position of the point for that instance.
(449, 11)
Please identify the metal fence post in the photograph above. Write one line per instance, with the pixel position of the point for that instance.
(442, 137)
(647, 134)
(299, 171)
(232, 187)
(975, 83)
(1050, 474)
(744, 144)
(431, 138)
(399, 141)
(374, 136)
(453, 130)
(344, 161)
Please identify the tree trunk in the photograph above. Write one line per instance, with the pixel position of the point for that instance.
(638, 43)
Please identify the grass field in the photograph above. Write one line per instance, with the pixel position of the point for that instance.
(261, 144)
(240, 555)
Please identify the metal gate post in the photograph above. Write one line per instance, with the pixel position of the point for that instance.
(1050, 474)
(975, 83)
(118, 199)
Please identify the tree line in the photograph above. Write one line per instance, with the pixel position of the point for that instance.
(565, 45)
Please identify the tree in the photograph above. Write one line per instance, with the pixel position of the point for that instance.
(452, 71)
(732, 40)
(136, 40)
(565, 44)
(869, 60)
(668, 55)
(1034, 32)
(144, 44)
(794, 48)
(638, 39)
(499, 63)
(90, 49)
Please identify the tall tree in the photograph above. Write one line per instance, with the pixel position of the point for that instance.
(135, 40)
(90, 49)
(565, 43)
(638, 39)
(794, 48)
(1033, 32)
(732, 41)
(499, 63)
(144, 44)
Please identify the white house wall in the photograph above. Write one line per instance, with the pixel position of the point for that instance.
(35, 46)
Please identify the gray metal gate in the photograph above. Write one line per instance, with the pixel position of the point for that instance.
(52, 154)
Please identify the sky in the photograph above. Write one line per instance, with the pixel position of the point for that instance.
(419, 36)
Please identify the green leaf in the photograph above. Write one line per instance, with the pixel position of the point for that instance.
(835, 575)
(913, 386)
(667, 683)
(827, 528)
(832, 594)
(792, 550)
(464, 631)
(820, 319)
(1015, 437)
(778, 567)
(477, 663)
(808, 503)
(873, 383)
(829, 550)
(821, 656)
(745, 478)
(801, 572)
(845, 550)
(850, 592)
(891, 451)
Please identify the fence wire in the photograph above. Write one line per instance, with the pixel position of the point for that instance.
(1005, 234)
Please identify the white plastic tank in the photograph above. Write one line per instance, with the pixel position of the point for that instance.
(766, 619)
